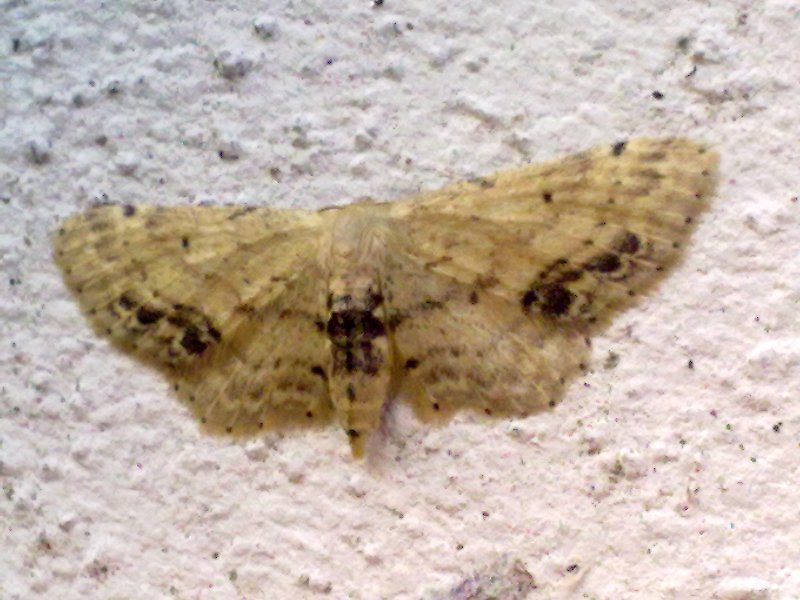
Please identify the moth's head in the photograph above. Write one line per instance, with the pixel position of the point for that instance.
(361, 226)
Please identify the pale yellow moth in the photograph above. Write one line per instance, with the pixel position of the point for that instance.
(480, 295)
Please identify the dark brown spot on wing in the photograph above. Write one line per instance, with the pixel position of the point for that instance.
(192, 342)
(604, 263)
(147, 315)
(126, 302)
(570, 275)
(552, 299)
(242, 212)
(374, 300)
(528, 298)
(556, 299)
(431, 305)
(411, 363)
(629, 244)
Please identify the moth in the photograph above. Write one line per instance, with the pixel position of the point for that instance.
(477, 296)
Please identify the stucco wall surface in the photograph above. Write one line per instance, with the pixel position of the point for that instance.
(670, 470)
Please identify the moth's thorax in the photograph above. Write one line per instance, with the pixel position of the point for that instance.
(358, 240)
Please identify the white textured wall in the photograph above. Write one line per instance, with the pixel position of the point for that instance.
(651, 480)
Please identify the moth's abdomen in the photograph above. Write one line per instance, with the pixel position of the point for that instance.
(353, 334)
(361, 371)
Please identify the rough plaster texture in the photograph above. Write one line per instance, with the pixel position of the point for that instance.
(671, 470)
